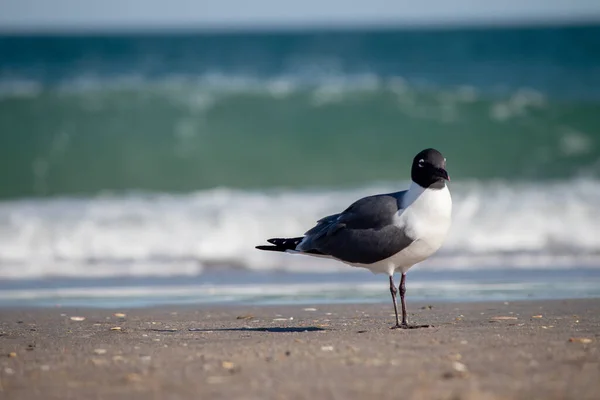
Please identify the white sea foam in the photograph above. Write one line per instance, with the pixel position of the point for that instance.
(497, 225)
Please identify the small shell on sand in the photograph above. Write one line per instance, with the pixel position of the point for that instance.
(77, 318)
(116, 328)
(580, 340)
(99, 351)
(309, 309)
(326, 348)
(537, 316)
(458, 366)
(502, 318)
(459, 370)
(228, 365)
(119, 315)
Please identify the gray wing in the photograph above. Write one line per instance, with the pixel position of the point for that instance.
(364, 233)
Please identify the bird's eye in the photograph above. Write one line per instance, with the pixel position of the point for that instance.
(421, 162)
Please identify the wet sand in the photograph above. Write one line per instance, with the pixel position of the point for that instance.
(534, 350)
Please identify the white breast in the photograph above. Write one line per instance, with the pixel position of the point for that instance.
(427, 219)
(426, 215)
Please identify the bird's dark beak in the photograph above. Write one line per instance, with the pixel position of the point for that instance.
(442, 173)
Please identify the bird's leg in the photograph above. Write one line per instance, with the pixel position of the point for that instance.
(404, 324)
(393, 291)
(402, 289)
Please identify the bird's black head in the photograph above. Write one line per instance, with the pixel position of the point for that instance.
(429, 169)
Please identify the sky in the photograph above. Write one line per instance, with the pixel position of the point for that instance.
(133, 14)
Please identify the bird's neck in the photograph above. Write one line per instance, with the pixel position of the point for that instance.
(437, 185)
(416, 191)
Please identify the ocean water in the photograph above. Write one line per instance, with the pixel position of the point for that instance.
(145, 167)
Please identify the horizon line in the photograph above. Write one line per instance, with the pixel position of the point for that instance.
(296, 26)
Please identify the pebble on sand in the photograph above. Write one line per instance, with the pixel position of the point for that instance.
(99, 351)
(12, 354)
(119, 315)
(77, 318)
(580, 340)
(213, 380)
(132, 377)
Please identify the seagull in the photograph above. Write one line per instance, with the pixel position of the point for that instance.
(388, 232)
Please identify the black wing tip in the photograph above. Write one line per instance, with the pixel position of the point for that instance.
(281, 244)
(269, 248)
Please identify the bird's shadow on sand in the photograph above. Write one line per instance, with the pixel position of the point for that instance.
(291, 329)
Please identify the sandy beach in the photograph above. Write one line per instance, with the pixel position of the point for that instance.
(496, 350)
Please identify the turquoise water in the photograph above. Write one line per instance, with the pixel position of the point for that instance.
(178, 113)
(149, 157)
